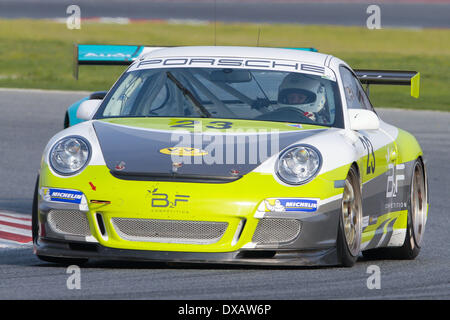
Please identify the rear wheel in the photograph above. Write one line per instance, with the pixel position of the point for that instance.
(417, 217)
(350, 221)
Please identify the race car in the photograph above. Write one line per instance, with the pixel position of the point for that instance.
(243, 155)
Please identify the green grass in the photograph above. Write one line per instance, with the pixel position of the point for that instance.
(39, 54)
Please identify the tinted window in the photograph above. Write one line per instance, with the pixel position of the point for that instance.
(225, 93)
(354, 93)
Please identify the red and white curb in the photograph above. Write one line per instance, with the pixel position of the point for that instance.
(15, 230)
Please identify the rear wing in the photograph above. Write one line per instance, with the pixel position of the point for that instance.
(99, 54)
(390, 77)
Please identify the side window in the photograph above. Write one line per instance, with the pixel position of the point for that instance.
(354, 93)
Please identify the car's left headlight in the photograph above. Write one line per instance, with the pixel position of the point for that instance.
(70, 155)
(298, 164)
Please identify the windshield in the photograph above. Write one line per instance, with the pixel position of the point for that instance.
(225, 93)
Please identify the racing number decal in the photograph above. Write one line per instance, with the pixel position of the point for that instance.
(370, 167)
(211, 125)
(220, 125)
(185, 124)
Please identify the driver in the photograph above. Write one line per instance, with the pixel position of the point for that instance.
(305, 93)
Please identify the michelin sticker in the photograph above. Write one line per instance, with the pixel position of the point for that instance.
(288, 205)
(62, 195)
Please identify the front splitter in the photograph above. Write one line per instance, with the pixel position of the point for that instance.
(82, 250)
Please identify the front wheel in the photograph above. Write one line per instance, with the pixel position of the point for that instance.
(350, 221)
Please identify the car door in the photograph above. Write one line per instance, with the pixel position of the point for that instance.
(378, 152)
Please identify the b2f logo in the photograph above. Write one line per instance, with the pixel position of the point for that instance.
(162, 200)
(395, 175)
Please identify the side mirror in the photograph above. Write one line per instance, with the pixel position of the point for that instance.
(87, 109)
(361, 119)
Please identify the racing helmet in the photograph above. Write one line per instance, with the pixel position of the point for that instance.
(302, 91)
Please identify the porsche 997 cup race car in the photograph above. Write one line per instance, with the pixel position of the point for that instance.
(230, 155)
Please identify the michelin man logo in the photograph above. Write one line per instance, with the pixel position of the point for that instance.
(274, 205)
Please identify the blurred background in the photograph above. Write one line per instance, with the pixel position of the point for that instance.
(37, 37)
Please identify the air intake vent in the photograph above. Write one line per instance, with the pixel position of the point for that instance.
(169, 231)
(274, 231)
(71, 222)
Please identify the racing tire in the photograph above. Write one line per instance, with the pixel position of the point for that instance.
(66, 121)
(350, 221)
(34, 213)
(417, 212)
(35, 234)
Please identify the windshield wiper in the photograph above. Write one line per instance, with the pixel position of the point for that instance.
(199, 107)
(262, 102)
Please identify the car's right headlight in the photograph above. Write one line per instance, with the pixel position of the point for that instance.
(298, 164)
(70, 155)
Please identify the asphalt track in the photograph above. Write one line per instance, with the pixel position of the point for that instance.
(30, 117)
(405, 14)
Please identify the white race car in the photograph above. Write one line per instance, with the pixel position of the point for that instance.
(231, 155)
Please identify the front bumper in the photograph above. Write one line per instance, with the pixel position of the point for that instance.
(235, 204)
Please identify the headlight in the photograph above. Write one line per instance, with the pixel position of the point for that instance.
(70, 155)
(298, 164)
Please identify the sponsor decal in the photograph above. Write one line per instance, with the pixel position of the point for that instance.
(107, 55)
(366, 221)
(225, 62)
(183, 151)
(62, 195)
(164, 200)
(290, 205)
(395, 177)
(295, 125)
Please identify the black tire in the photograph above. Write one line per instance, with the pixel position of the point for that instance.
(34, 213)
(347, 256)
(35, 234)
(410, 248)
(66, 121)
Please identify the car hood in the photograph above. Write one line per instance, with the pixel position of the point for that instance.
(209, 150)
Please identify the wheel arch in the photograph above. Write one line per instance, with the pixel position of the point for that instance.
(408, 147)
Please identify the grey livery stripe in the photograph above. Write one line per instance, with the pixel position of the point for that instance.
(139, 150)
(390, 230)
(377, 236)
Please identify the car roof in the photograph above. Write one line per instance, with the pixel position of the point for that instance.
(236, 51)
